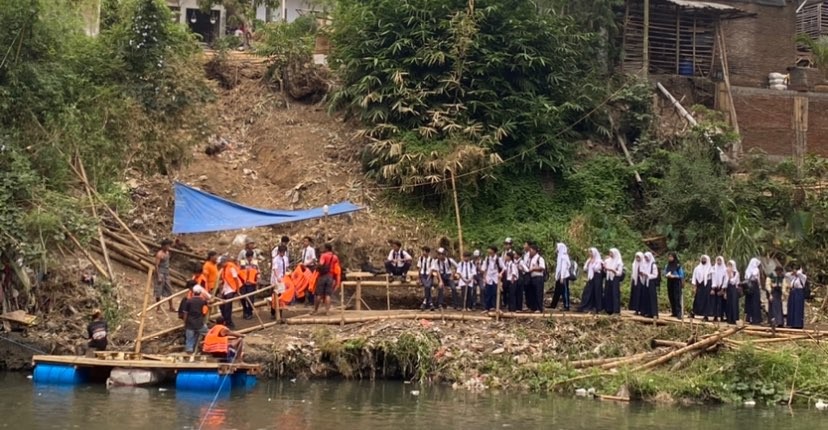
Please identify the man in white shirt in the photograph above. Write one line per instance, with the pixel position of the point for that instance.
(308, 251)
(445, 268)
(398, 262)
(510, 283)
(466, 272)
(537, 269)
(427, 270)
(491, 268)
(275, 251)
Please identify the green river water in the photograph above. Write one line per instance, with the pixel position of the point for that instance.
(285, 405)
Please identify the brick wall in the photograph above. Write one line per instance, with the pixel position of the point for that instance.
(766, 121)
(762, 44)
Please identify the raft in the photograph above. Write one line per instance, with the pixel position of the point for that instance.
(199, 373)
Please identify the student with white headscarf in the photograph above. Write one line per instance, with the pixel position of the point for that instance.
(614, 269)
(753, 298)
(591, 297)
(563, 268)
(635, 284)
(649, 271)
(702, 278)
(732, 293)
(675, 278)
(717, 290)
(796, 299)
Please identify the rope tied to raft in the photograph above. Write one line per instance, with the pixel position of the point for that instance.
(38, 350)
(215, 397)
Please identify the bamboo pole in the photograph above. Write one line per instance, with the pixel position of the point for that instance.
(147, 290)
(89, 257)
(373, 318)
(243, 296)
(387, 292)
(645, 54)
(95, 216)
(594, 362)
(341, 305)
(164, 300)
(459, 227)
(628, 360)
(669, 343)
(111, 211)
(696, 346)
(497, 302)
(212, 315)
(737, 145)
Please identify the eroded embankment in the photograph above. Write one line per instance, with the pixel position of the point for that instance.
(604, 353)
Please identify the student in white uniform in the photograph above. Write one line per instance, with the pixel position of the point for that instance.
(491, 269)
(308, 251)
(510, 280)
(445, 268)
(466, 272)
(537, 271)
(427, 270)
(398, 262)
(562, 272)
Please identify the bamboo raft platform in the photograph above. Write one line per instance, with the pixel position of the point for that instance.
(171, 363)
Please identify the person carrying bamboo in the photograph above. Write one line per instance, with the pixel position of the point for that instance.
(249, 276)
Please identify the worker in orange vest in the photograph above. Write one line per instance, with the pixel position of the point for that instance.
(220, 341)
(250, 279)
(210, 271)
(231, 283)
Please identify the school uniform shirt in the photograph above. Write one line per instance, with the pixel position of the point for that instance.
(280, 267)
(275, 253)
(444, 266)
(491, 268)
(398, 258)
(425, 265)
(511, 271)
(536, 262)
(308, 254)
(719, 276)
(466, 270)
(257, 254)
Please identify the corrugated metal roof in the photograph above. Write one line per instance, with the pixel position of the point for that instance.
(703, 5)
(726, 11)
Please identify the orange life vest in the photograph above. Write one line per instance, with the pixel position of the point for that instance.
(210, 272)
(250, 274)
(227, 276)
(214, 342)
(298, 280)
(200, 279)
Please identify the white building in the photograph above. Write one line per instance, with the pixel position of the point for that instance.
(209, 26)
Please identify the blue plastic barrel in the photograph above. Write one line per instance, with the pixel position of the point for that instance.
(59, 374)
(243, 381)
(202, 380)
(686, 68)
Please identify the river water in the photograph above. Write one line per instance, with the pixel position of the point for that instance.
(284, 405)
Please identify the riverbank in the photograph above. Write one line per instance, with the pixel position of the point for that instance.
(562, 353)
(551, 355)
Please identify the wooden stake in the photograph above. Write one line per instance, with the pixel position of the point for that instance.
(147, 290)
(388, 291)
(737, 145)
(341, 305)
(164, 300)
(645, 55)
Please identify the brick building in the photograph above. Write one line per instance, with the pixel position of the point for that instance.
(762, 44)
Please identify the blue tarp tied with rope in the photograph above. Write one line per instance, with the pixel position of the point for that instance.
(200, 212)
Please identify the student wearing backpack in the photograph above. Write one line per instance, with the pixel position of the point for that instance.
(636, 284)
(650, 271)
(510, 277)
(427, 270)
(465, 273)
(563, 273)
(492, 268)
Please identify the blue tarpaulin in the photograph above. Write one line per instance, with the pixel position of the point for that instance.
(200, 212)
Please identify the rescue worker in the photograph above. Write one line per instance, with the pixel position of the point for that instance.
(97, 332)
(210, 271)
(220, 341)
(249, 276)
(231, 283)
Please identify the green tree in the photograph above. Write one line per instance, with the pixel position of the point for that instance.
(453, 85)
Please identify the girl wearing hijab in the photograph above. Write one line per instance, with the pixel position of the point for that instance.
(777, 287)
(732, 293)
(614, 268)
(753, 299)
(702, 275)
(675, 277)
(635, 284)
(562, 273)
(652, 278)
(717, 290)
(796, 299)
(591, 297)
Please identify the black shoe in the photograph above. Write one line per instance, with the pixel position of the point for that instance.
(432, 309)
